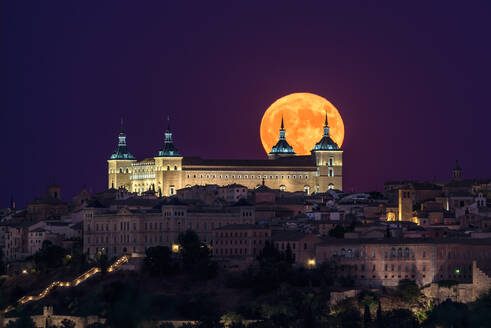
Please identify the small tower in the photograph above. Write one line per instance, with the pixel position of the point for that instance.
(168, 166)
(457, 172)
(282, 148)
(329, 162)
(119, 164)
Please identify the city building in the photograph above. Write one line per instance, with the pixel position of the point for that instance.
(118, 231)
(168, 171)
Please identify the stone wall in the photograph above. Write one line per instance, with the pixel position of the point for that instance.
(464, 293)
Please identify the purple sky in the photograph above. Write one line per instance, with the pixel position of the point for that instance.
(411, 83)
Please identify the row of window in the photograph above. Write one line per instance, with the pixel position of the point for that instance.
(259, 177)
(155, 226)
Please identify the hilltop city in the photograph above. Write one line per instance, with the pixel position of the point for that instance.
(247, 234)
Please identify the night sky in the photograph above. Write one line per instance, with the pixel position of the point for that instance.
(412, 84)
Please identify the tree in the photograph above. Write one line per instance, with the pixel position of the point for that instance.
(337, 232)
(102, 262)
(231, 319)
(158, 261)
(408, 291)
(449, 314)
(379, 319)
(367, 318)
(2, 264)
(196, 256)
(23, 321)
(400, 318)
(367, 297)
(49, 256)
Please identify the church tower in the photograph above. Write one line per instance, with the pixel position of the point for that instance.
(457, 172)
(168, 166)
(119, 164)
(329, 162)
(282, 147)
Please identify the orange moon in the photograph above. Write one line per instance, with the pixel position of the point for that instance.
(304, 116)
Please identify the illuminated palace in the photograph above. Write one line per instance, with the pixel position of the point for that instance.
(168, 171)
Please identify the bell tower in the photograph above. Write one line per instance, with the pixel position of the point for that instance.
(329, 162)
(168, 166)
(119, 164)
(282, 147)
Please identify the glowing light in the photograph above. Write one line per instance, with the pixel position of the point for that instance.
(311, 263)
(457, 271)
(24, 271)
(304, 115)
(175, 248)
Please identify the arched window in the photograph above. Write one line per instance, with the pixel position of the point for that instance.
(392, 252)
(406, 252)
(343, 252)
(168, 168)
(330, 186)
(175, 167)
(350, 252)
(120, 170)
(399, 252)
(282, 187)
(306, 189)
(331, 172)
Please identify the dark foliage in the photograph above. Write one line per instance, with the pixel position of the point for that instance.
(50, 256)
(158, 261)
(408, 291)
(196, 257)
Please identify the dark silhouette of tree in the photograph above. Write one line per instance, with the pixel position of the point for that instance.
(158, 261)
(49, 256)
(337, 232)
(23, 321)
(449, 314)
(379, 319)
(196, 256)
(400, 318)
(408, 291)
(367, 318)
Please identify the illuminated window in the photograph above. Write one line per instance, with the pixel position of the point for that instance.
(331, 173)
(330, 187)
(282, 187)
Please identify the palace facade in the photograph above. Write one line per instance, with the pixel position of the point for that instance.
(168, 171)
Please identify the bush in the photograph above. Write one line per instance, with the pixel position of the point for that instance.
(408, 291)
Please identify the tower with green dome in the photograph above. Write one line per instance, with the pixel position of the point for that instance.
(119, 163)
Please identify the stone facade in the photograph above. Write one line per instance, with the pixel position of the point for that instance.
(167, 172)
(122, 231)
(385, 262)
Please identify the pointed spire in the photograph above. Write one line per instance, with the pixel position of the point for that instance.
(326, 143)
(282, 147)
(168, 150)
(122, 150)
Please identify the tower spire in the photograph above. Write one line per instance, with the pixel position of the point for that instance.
(326, 127)
(168, 150)
(282, 148)
(122, 150)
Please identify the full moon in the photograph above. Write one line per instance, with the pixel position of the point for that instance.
(304, 116)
